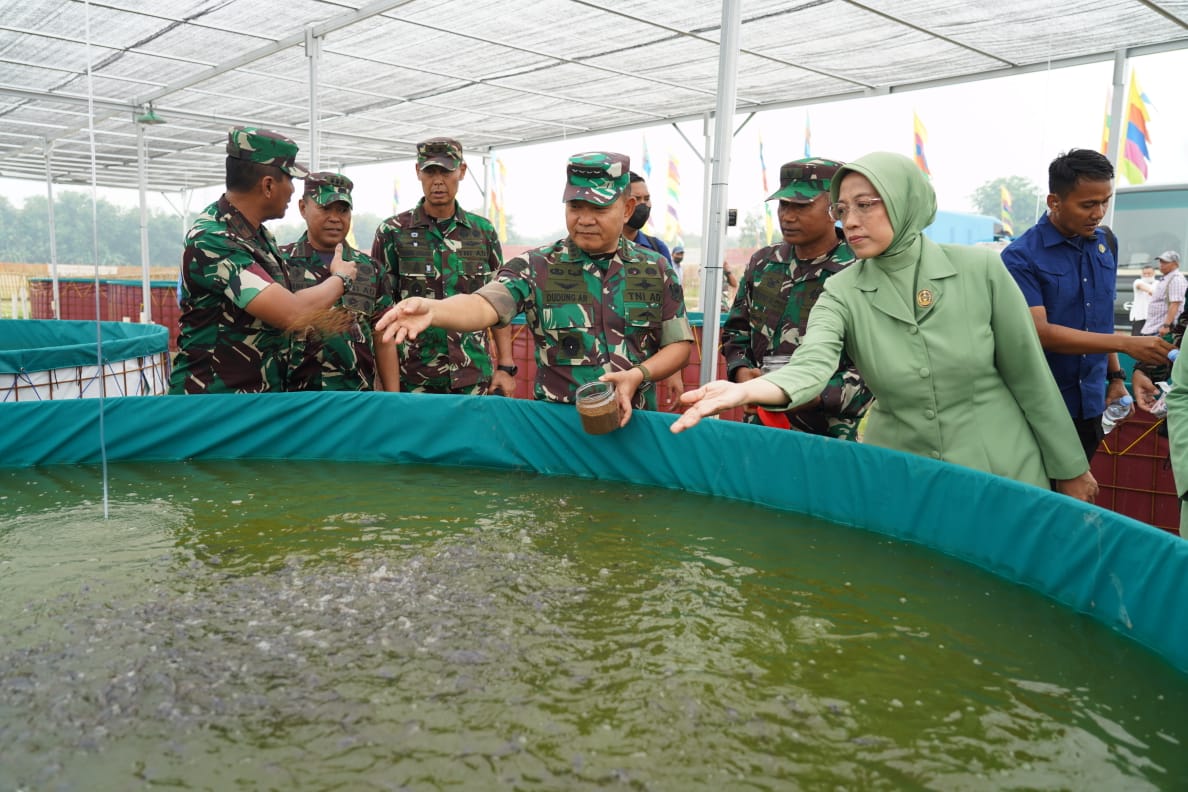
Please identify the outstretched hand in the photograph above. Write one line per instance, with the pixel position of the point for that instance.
(405, 320)
(710, 399)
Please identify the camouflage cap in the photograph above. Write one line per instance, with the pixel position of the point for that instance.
(805, 179)
(266, 147)
(325, 188)
(597, 177)
(441, 151)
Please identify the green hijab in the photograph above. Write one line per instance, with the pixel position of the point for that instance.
(907, 195)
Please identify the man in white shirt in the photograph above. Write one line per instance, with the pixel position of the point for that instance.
(1143, 288)
(1168, 298)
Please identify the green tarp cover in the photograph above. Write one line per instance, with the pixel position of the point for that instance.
(43, 345)
(1128, 575)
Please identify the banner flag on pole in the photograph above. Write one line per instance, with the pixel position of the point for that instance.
(1136, 153)
(395, 195)
(767, 219)
(808, 137)
(1008, 222)
(647, 160)
(498, 184)
(921, 137)
(672, 222)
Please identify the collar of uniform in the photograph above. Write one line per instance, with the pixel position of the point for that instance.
(234, 220)
(1051, 237)
(302, 248)
(423, 219)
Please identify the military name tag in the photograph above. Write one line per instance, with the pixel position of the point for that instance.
(924, 298)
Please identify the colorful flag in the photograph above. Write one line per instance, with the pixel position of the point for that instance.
(498, 185)
(647, 160)
(395, 195)
(672, 222)
(767, 219)
(808, 137)
(1136, 140)
(1008, 222)
(1105, 127)
(921, 136)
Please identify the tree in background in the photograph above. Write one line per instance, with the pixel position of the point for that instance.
(24, 232)
(1025, 207)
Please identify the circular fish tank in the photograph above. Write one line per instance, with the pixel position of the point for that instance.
(405, 591)
(49, 360)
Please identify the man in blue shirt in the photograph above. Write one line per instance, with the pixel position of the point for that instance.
(1066, 266)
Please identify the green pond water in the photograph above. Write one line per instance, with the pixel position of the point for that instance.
(299, 625)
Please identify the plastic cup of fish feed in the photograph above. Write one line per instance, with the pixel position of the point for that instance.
(599, 408)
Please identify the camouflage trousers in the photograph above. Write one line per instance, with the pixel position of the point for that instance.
(442, 385)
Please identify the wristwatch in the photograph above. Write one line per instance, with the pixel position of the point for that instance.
(513, 370)
(1116, 375)
(347, 281)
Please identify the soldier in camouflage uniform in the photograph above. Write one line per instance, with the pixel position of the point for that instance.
(345, 360)
(598, 306)
(435, 250)
(779, 288)
(236, 308)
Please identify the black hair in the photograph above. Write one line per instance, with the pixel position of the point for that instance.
(243, 175)
(635, 177)
(1077, 165)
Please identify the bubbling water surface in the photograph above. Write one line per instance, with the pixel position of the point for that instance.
(345, 625)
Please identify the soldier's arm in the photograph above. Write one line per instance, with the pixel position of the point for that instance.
(281, 308)
(736, 331)
(387, 366)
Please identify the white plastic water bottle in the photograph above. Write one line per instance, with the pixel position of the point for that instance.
(1159, 408)
(1115, 412)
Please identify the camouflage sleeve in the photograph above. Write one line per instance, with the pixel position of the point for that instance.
(383, 253)
(222, 267)
(1157, 371)
(495, 262)
(510, 291)
(384, 298)
(736, 331)
(846, 395)
(674, 325)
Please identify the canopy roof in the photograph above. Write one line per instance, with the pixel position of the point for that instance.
(492, 74)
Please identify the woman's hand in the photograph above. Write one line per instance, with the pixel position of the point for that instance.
(1083, 487)
(710, 399)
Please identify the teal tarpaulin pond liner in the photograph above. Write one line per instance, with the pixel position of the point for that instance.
(44, 360)
(1130, 576)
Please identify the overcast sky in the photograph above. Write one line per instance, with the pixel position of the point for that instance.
(975, 132)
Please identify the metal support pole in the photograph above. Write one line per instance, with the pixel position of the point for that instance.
(146, 286)
(711, 285)
(313, 51)
(707, 168)
(53, 228)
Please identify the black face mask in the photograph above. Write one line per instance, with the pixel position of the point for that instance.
(639, 216)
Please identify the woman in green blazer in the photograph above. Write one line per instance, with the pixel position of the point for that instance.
(941, 334)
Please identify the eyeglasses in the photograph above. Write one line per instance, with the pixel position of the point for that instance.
(862, 207)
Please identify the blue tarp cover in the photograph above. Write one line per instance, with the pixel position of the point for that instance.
(1128, 575)
(43, 345)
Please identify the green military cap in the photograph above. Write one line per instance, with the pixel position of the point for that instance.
(805, 179)
(597, 177)
(266, 147)
(325, 188)
(443, 152)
